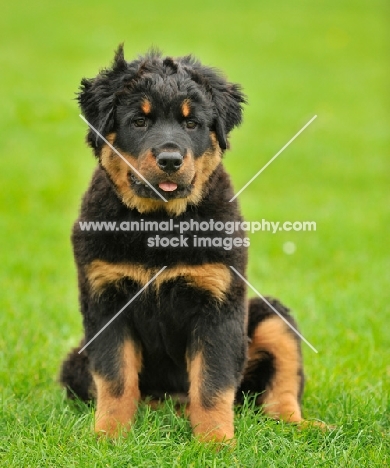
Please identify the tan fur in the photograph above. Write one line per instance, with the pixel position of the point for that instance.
(114, 413)
(281, 399)
(209, 424)
(146, 106)
(186, 107)
(212, 277)
(100, 274)
(119, 171)
(205, 165)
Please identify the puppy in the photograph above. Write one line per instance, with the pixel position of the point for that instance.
(163, 313)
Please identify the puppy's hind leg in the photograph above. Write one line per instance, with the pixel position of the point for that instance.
(274, 367)
(75, 375)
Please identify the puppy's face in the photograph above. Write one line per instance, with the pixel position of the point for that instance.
(169, 119)
(163, 132)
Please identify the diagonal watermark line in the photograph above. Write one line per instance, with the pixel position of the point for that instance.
(123, 308)
(273, 159)
(124, 159)
(273, 308)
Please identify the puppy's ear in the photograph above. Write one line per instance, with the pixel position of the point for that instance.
(97, 99)
(226, 97)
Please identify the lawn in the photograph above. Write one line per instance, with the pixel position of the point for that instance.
(294, 60)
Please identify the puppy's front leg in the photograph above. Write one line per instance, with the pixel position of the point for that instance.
(215, 365)
(117, 391)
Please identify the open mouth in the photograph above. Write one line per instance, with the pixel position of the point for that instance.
(168, 189)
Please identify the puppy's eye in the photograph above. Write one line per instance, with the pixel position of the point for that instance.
(139, 122)
(191, 124)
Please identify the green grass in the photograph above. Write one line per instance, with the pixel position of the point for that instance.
(294, 59)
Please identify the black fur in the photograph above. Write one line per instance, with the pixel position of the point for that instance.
(100, 96)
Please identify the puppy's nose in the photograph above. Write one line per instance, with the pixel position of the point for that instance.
(169, 161)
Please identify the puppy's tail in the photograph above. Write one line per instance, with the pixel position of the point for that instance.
(76, 377)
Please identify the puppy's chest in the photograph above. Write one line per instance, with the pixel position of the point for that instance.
(155, 248)
(163, 324)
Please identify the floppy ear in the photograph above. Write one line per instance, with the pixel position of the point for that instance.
(226, 97)
(97, 98)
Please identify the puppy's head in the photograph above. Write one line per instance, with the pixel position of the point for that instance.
(168, 118)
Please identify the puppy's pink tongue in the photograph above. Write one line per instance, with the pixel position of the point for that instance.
(167, 186)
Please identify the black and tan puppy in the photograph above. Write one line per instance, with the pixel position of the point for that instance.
(187, 333)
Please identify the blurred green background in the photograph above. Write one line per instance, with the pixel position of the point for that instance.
(294, 60)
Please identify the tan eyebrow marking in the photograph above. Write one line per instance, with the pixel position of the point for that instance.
(146, 106)
(186, 107)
